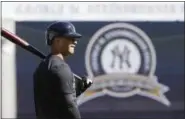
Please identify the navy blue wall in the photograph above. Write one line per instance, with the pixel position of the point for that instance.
(168, 40)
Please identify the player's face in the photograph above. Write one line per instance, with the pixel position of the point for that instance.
(67, 45)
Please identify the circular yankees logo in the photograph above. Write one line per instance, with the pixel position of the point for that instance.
(120, 48)
(122, 61)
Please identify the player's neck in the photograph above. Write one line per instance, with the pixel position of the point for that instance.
(57, 53)
(60, 56)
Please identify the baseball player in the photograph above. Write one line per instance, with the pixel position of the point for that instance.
(55, 88)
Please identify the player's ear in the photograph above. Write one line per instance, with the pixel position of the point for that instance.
(60, 42)
(57, 40)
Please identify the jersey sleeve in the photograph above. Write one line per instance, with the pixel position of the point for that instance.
(62, 74)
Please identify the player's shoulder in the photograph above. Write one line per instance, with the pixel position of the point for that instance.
(55, 62)
(55, 59)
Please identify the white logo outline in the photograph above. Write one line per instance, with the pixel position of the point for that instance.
(105, 91)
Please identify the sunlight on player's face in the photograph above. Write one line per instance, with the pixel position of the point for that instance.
(67, 45)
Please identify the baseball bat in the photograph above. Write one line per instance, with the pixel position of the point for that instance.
(24, 44)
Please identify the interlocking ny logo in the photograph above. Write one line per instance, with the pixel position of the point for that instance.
(123, 56)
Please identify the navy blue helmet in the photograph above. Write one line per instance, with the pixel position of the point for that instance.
(65, 29)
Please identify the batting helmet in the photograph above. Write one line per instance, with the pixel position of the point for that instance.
(65, 29)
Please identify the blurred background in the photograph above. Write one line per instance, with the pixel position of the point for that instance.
(163, 23)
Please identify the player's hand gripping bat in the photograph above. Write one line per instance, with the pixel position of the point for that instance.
(25, 45)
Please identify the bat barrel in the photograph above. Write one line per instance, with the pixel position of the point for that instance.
(17, 40)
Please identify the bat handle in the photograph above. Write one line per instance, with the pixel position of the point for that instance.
(77, 77)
